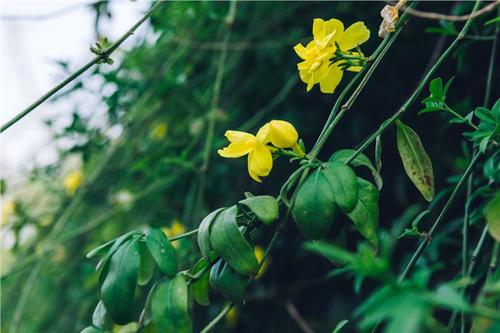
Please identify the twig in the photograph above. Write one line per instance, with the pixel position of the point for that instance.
(454, 18)
(430, 234)
(217, 318)
(386, 124)
(296, 316)
(104, 55)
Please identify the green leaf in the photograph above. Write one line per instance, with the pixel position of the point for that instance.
(91, 330)
(361, 159)
(117, 290)
(147, 264)
(229, 282)
(169, 306)
(265, 208)
(340, 325)
(115, 244)
(100, 317)
(366, 212)
(204, 233)
(416, 162)
(436, 88)
(200, 287)
(344, 185)
(228, 241)
(492, 21)
(331, 252)
(492, 214)
(314, 207)
(162, 251)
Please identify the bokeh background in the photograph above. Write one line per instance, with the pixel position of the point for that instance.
(121, 147)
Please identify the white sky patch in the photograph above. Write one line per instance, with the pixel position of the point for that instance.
(29, 51)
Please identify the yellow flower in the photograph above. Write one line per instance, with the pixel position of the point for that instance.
(279, 133)
(232, 317)
(73, 181)
(175, 229)
(259, 254)
(316, 67)
(159, 131)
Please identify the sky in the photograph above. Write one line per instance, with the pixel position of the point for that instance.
(34, 36)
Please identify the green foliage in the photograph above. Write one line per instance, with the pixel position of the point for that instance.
(492, 214)
(314, 206)
(169, 306)
(162, 251)
(162, 176)
(366, 212)
(489, 127)
(230, 243)
(416, 161)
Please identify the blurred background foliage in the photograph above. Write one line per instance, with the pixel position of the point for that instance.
(152, 162)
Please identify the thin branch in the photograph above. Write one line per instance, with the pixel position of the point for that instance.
(454, 18)
(428, 238)
(297, 317)
(98, 59)
(391, 120)
(217, 318)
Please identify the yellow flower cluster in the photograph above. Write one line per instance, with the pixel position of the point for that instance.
(329, 36)
(279, 133)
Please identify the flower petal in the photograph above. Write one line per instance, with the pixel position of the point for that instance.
(331, 29)
(355, 35)
(282, 134)
(332, 80)
(301, 51)
(260, 162)
(241, 144)
(263, 134)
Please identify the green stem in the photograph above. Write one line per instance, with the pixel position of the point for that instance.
(104, 55)
(218, 318)
(386, 124)
(184, 235)
(491, 66)
(477, 251)
(426, 241)
(456, 114)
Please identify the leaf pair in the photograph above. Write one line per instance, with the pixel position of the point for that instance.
(127, 261)
(335, 185)
(220, 232)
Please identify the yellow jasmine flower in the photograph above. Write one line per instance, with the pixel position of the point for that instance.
(259, 254)
(175, 229)
(73, 181)
(232, 317)
(328, 35)
(260, 158)
(279, 133)
(159, 131)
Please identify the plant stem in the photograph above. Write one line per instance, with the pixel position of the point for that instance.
(217, 318)
(456, 114)
(491, 66)
(465, 240)
(477, 251)
(386, 124)
(184, 235)
(104, 55)
(425, 242)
